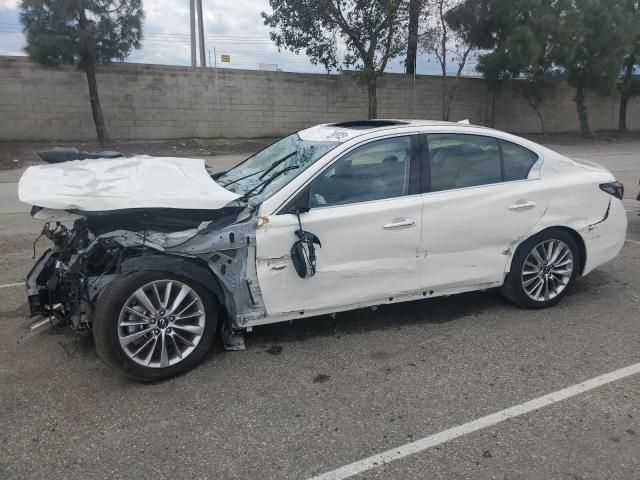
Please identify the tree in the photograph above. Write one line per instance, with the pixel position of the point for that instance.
(629, 87)
(520, 37)
(370, 30)
(585, 40)
(447, 45)
(482, 25)
(415, 7)
(82, 32)
(595, 38)
(628, 84)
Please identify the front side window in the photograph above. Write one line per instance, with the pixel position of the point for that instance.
(269, 170)
(375, 171)
(458, 161)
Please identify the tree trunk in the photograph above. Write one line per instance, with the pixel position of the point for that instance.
(541, 120)
(373, 102)
(490, 111)
(536, 108)
(88, 62)
(96, 109)
(412, 41)
(582, 113)
(445, 97)
(625, 91)
(622, 114)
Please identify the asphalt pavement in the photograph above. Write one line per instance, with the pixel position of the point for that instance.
(311, 396)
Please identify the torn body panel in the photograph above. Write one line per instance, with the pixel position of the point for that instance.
(575, 202)
(218, 254)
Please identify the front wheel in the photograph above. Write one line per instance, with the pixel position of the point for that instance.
(543, 270)
(154, 325)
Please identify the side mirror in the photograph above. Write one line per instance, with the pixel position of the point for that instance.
(303, 253)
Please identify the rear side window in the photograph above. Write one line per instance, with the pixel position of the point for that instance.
(517, 161)
(458, 161)
(374, 171)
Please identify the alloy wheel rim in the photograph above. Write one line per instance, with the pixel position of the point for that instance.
(547, 270)
(161, 323)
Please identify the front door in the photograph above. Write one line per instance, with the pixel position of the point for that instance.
(366, 211)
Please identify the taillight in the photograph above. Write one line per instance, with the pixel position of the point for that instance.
(613, 188)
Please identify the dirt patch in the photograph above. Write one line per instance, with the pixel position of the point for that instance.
(321, 378)
(275, 350)
(21, 154)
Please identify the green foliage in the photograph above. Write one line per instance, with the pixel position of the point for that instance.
(595, 40)
(518, 36)
(371, 31)
(585, 41)
(56, 33)
(629, 84)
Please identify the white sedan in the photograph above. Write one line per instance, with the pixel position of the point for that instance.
(332, 218)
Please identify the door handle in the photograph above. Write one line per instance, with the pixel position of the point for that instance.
(522, 205)
(400, 223)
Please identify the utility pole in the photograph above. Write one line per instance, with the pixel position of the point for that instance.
(192, 18)
(203, 58)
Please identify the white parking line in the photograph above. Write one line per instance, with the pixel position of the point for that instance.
(9, 285)
(442, 437)
(632, 241)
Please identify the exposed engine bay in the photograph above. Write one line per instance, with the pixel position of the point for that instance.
(209, 246)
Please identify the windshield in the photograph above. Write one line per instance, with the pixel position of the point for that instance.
(268, 171)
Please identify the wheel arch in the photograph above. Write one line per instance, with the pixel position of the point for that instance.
(191, 268)
(574, 234)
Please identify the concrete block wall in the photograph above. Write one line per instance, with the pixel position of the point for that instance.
(162, 102)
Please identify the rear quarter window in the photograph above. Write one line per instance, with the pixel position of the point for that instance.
(517, 161)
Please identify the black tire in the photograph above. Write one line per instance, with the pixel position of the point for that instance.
(513, 288)
(105, 326)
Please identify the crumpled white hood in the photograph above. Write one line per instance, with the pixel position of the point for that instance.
(113, 184)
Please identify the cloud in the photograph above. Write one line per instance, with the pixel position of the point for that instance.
(232, 27)
(8, 4)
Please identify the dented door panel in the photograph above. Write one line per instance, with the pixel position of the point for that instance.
(369, 251)
(463, 244)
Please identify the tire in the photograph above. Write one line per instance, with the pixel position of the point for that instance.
(146, 342)
(522, 283)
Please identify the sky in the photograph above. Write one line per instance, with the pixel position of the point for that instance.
(232, 27)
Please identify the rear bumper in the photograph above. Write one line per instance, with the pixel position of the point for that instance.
(604, 240)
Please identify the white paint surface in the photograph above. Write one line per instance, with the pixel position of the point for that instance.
(11, 285)
(119, 183)
(468, 233)
(359, 259)
(439, 438)
(467, 236)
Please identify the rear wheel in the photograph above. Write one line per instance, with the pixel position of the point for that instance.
(543, 269)
(154, 325)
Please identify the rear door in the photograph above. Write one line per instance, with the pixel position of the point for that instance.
(366, 209)
(479, 202)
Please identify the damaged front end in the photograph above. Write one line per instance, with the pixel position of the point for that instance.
(213, 247)
(112, 217)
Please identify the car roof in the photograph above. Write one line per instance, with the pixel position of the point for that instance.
(343, 131)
